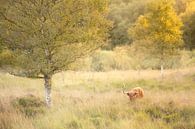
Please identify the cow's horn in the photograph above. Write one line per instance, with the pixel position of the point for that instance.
(124, 92)
(123, 89)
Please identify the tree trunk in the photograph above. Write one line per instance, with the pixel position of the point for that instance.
(138, 71)
(48, 83)
(161, 71)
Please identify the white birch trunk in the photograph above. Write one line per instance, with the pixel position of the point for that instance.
(47, 80)
(161, 71)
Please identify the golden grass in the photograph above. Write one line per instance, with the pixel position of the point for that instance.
(94, 100)
(74, 78)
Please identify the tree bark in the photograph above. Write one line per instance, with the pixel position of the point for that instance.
(161, 71)
(138, 71)
(47, 79)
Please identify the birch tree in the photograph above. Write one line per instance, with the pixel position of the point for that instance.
(162, 26)
(47, 36)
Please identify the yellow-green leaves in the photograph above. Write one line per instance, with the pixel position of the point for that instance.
(140, 29)
(50, 35)
(161, 25)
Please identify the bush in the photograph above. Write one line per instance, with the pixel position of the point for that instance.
(170, 113)
(132, 57)
(103, 61)
(111, 60)
(29, 105)
(187, 58)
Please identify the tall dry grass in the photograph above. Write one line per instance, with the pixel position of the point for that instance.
(94, 100)
(11, 118)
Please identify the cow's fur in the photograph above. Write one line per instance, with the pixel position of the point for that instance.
(135, 93)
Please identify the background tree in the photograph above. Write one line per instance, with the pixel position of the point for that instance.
(188, 18)
(124, 13)
(162, 26)
(47, 36)
(138, 51)
(5, 54)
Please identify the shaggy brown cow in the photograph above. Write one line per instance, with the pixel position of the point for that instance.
(135, 93)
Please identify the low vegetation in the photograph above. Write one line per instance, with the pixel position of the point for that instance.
(29, 105)
(126, 58)
(84, 53)
(94, 100)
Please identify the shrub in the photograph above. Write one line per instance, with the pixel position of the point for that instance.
(178, 117)
(168, 114)
(29, 105)
(103, 61)
(129, 57)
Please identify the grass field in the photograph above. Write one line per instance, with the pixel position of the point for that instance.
(94, 100)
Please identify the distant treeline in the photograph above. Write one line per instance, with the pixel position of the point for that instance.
(124, 14)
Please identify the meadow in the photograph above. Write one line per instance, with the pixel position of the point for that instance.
(94, 100)
(88, 52)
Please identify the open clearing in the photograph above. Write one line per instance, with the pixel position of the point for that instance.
(94, 100)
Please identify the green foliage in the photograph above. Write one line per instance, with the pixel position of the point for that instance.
(111, 60)
(124, 13)
(47, 37)
(187, 59)
(134, 57)
(6, 57)
(189, 32)
(103, 61)
(29, 105)
(188, 18)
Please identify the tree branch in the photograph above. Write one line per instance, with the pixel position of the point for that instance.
(82, 55)
(9, 20)
(28, 76)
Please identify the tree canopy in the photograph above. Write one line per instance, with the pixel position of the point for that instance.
(47, 36)
(124, 13)
(162, 27)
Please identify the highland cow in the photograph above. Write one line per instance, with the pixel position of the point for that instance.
(135, 93)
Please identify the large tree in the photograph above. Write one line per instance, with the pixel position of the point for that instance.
(162, 26)
(47, 36)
